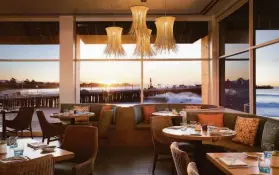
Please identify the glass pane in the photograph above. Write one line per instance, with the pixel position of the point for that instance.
(267, 93)
(29, 40)
(236, 24)
(25, 80)
(234, 83)
(172, 82)
(110, 82)
(266, 20)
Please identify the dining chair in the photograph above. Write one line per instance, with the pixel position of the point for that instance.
(83, 141)
(103, 124)
(180, 158)
(161, 143)
(22, 121)
(50, 130)
(39, 166)
(192, 169)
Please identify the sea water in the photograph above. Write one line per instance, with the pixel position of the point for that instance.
(268, 102)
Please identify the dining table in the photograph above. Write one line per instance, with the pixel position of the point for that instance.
(166, 113)
(197, 137)
(251, 169)
(73, 118)
(4, 113)
(31, 153)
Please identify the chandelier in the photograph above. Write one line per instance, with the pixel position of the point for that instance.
(165, 40)
(139, 21)
(143, 47)
(114, 43)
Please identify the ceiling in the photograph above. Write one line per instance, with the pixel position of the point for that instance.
(47, 7)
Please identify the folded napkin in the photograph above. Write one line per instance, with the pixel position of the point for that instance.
(176, 127)
(14, 159)
(232, 162)
(37, 145)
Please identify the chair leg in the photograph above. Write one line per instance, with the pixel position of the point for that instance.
(48, 139)
(43, 138)
(154, 163)
(21, 133)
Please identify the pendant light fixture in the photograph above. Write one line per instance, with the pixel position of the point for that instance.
(114, 42)
(165, 40)
(139, 21)
(143, 47)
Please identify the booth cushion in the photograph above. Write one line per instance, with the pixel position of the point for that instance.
(235, 147)
(211, 119)
(270, 137)
(147, 112)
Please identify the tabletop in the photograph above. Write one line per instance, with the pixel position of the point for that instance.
(67, 115)
(252, 164)
(189, 133)
(58, 154)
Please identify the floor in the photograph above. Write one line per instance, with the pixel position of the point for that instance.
(129, 161)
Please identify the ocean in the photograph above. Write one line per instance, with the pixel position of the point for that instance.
(267, 101)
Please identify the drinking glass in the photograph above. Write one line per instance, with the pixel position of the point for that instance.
(18, 151)
(264, 162)
(167, 109)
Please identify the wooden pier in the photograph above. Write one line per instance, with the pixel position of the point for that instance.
(120, 96)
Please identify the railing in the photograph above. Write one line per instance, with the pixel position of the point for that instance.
(12, 102)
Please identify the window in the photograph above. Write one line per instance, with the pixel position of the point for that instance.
(234, 85)
(267, 93)
(172, 82)
(29, 68)
(119, 79)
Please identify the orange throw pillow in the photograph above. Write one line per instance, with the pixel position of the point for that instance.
(246, 130)
(211, 119)
(147, 112)
(104, 108)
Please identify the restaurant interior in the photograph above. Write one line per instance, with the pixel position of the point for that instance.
(139, 87)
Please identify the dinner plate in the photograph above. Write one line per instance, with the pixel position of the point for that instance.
(253, 155)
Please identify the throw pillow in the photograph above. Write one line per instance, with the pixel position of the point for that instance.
(147, 112)
(81, 108)
(211, 119)
(270, 137)
(246, 130)
(192, 107)
(104, 108)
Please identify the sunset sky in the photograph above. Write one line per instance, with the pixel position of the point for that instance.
(164, 73)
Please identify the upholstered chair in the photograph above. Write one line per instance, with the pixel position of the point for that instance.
(192, 169)
(50, 130)
(83, 141)
(180, 158)
(22, 121)
(40, 166)
(161, 143)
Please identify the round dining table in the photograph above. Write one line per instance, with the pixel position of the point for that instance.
(72, 118)
(190, 135)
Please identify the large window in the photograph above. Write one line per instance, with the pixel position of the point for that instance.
(167, 78)
(29, 68)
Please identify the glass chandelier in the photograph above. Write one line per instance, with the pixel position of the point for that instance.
(165, 40)
(139, 21)
(143, 47)
(114, 43)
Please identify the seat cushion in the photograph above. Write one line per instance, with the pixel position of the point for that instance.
(235, 147)
(105, 108)
(270, 137)
(211, 119)
(64, 168)
(143, 125)
(147, 112)
(246, 130)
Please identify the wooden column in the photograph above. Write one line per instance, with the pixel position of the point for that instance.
(67, 83)
(252, 61)
(205, 70)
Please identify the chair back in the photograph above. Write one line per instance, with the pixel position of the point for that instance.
(24, 117)
(158, 123)
(40, 166)
(180, 158)
(104, 123)
(192, 169)
(43, 121)
(82, 140)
